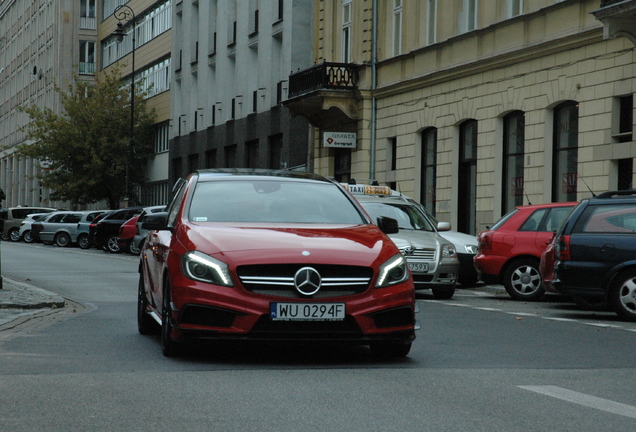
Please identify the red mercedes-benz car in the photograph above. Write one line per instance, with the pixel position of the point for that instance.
(273, 256)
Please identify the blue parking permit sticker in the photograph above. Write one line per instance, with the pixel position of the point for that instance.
(272, 310)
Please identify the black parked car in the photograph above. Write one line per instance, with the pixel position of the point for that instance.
(107, 229)
(595, 253)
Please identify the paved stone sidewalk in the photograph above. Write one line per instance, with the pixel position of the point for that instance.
(19, 299)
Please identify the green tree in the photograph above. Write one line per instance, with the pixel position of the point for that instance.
(86, 146)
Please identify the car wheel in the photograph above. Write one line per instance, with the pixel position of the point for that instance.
(443, 294)
(623, 295)
(26, 236)
(133, 249)
(111, 244)
(82, 241)
(169, 346)
(390, 349)
(14, 234)
(62, 239)
(523, 281)
(145, 324)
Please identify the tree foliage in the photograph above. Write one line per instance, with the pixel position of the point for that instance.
(85, 147)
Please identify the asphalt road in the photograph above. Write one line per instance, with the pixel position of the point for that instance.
(480, 363)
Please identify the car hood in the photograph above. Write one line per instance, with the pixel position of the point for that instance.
(362, 245)
(417, 239)
(459, 239)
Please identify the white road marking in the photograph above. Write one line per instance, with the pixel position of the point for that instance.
(585, 400)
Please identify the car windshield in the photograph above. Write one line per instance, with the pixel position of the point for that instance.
(408, 216)
(272, 201)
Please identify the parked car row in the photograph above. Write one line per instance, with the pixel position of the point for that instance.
(585, 250)
(86, 229)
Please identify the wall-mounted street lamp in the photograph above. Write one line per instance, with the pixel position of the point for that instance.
(124, 13)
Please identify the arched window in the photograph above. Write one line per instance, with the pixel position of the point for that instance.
(513, 154)
(429, 169)
(466, 211)
(565, 152)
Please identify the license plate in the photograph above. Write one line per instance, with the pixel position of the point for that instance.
(307, 311)
(418, 267)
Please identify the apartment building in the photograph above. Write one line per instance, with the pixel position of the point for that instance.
(473, 107)
(147, 24)
(232, 61)
(42, 43)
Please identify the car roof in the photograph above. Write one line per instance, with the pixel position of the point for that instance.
(623, 196)
(547, 205)
(238, 173)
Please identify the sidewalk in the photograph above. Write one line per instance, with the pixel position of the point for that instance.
(18, 299)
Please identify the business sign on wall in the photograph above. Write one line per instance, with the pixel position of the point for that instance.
(339, 139)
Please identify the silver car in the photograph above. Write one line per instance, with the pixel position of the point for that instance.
(61, 228)
(432, 259)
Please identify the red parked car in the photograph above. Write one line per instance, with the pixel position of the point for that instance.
(127, 233)
(509, 253)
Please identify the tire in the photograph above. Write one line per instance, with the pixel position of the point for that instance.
(523, 281)
(169, 347)
(145, 324)
(133, 249)
(62, 239)
(443, 294)
(26, 236)
(623, 295)
(390, 349)
(82, 241)
(111, 244)
(14, 235)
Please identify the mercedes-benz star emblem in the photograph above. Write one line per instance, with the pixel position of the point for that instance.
(307, 281)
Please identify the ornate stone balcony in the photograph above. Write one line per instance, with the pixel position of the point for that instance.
(618, 18)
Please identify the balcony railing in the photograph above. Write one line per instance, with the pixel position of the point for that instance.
(341, 76)
(86, 68)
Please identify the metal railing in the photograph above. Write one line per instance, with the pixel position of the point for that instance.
(342, 76)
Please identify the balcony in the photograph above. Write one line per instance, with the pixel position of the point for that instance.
(618, 18)
(326, 94)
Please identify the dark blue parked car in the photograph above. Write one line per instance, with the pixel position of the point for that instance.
(596, 253)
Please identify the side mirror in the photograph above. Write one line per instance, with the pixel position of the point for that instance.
(388, 225)
(443, 226)
(155, 221)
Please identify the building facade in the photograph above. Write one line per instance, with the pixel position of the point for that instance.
(42, 44)
(474, 107)
(232, 60)
(152, 24)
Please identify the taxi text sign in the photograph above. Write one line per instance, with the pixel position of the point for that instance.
(339, 139)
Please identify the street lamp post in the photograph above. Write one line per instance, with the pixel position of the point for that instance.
(124, 13)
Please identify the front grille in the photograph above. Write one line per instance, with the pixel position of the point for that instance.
(421, 254)
(278, 279)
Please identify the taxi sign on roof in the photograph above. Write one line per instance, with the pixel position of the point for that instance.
(368, 190)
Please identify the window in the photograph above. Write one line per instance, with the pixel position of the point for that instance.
(565, 152)
(625, 174)
(466, 219)
(346, 31)
(230, 156)
(276, 152)
(431, 24)
(514, 8)
(161, 137)
(468, 16)
(397, 27)
(193, 162)
(87, 58)
(280, 10)
(513, 155)
(625, 117)
(251, 150)
(87, 14)
(429, 169)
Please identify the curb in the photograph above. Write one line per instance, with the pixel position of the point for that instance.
(20, 295)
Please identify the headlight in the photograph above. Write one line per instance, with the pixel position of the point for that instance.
(392, 272)
(199, 266)
(471, 249)
(448, 251)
